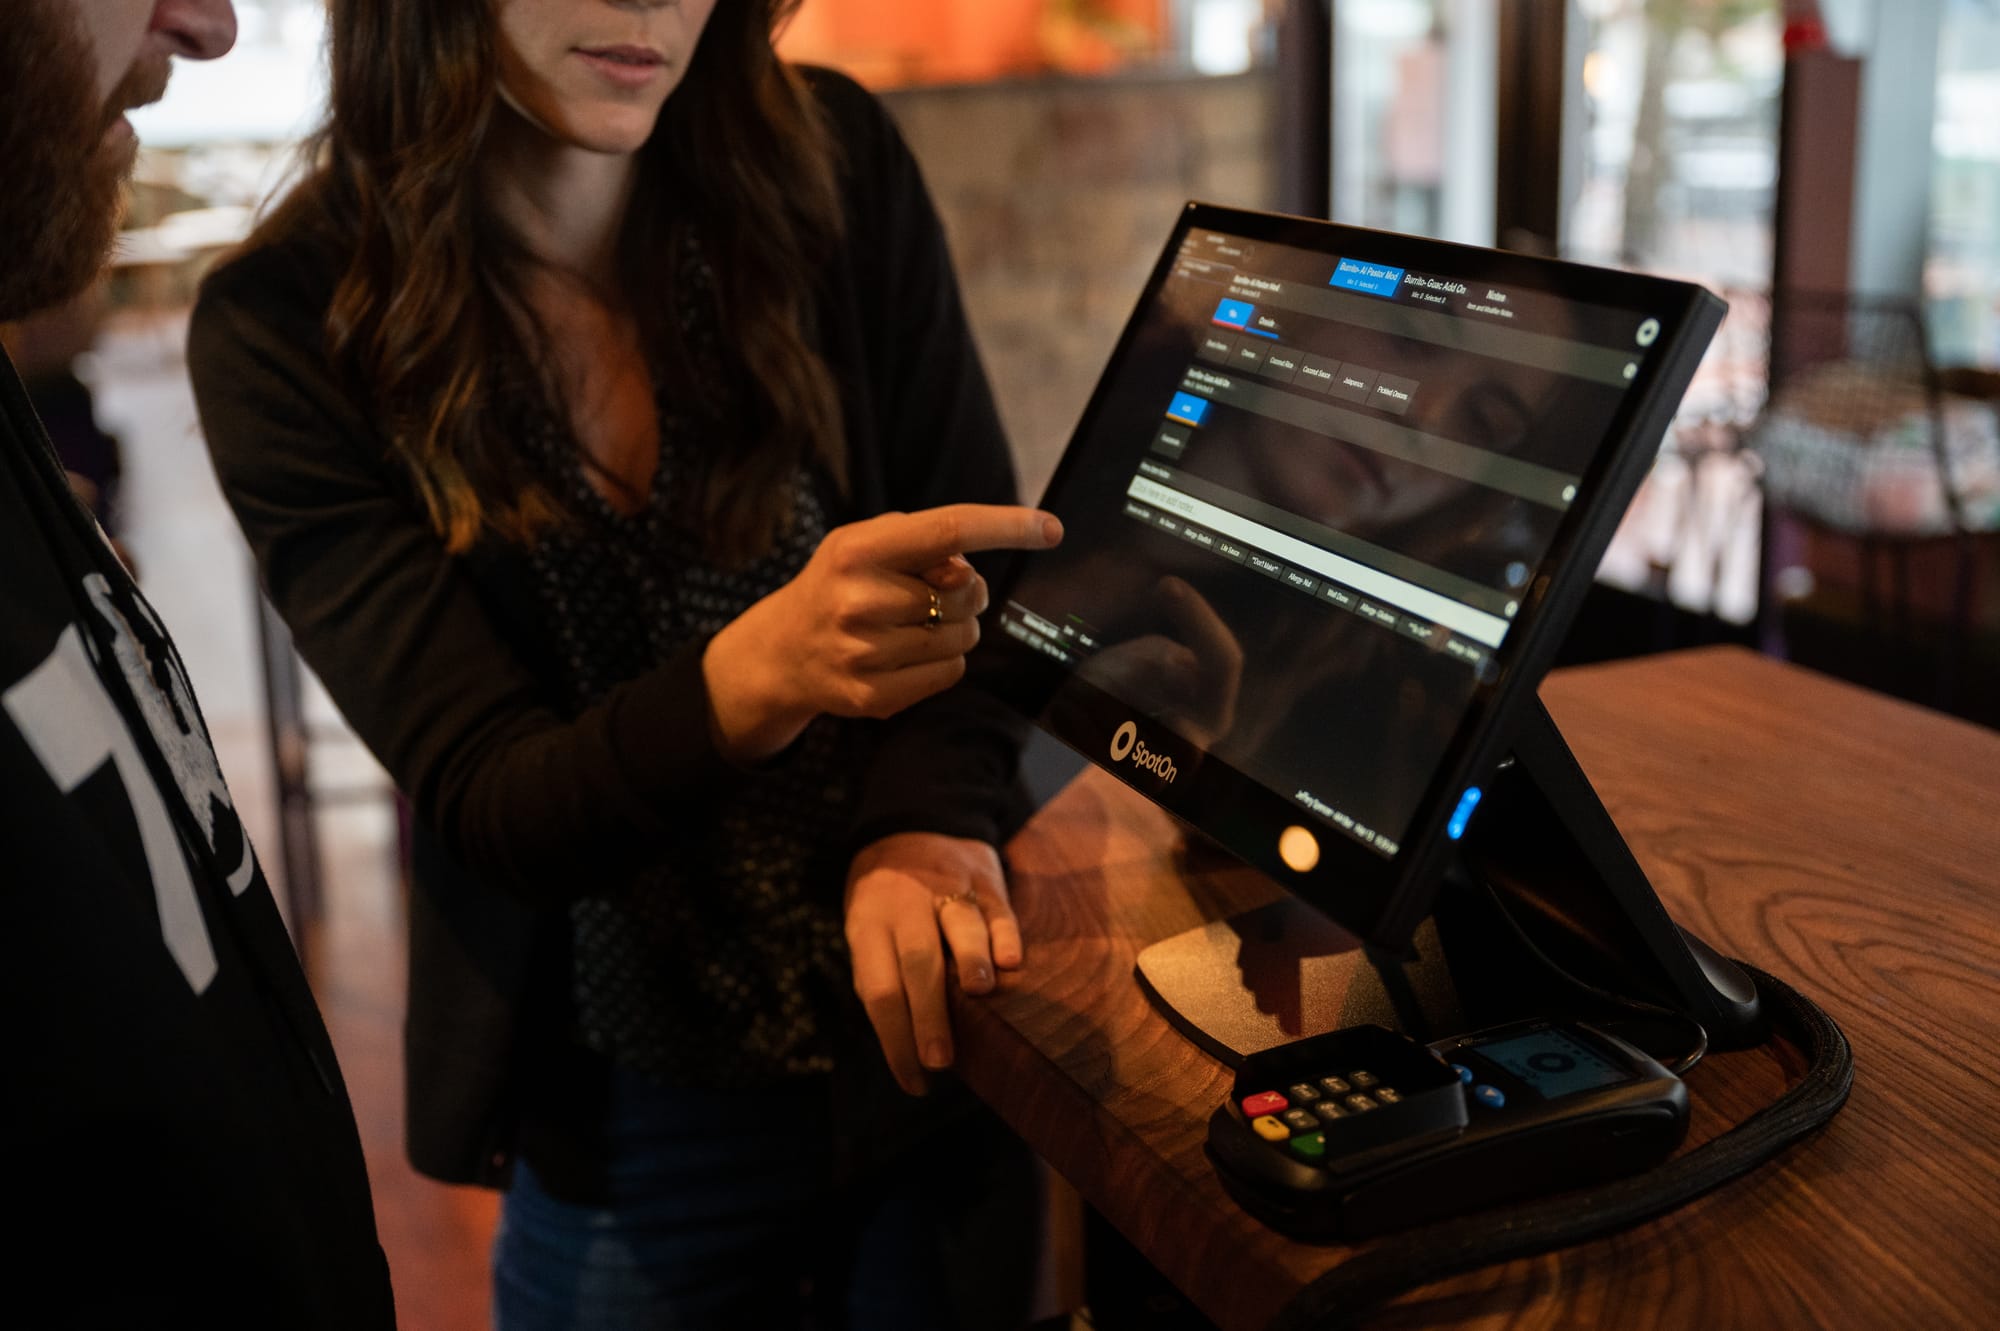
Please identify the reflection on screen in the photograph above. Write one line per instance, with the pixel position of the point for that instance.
(1554, 1064)
(1309, 504)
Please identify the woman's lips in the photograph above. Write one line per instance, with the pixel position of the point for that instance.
(624, 66)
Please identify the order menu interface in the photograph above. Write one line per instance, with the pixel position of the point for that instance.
(1307, 507)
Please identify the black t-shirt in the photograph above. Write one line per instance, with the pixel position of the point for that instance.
(181, 1151)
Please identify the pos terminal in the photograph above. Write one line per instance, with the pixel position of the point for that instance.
(1332, 507)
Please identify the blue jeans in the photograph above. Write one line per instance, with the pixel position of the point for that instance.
(719, 1212)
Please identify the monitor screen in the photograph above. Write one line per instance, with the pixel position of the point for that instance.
(1330, 485)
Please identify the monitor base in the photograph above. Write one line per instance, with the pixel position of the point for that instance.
(1279, 973)
(1544, 894)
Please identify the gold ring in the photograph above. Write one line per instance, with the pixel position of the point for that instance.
(969, 896)
(934, 616)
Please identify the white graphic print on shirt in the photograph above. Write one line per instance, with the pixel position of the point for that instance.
(173, 719)
(74, 728)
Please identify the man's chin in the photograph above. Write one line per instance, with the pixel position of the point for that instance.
(75, 237)
(117, 152)
(59, 206)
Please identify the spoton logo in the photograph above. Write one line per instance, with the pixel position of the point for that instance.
(1125, 741)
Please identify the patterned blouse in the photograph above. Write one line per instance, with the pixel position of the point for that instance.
(714, 964)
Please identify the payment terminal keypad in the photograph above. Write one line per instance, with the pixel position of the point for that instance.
(1363, 1130)
(1295, 1117)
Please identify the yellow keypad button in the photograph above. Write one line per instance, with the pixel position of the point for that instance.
(1269, 1128)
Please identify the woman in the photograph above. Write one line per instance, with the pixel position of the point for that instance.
(588, 409)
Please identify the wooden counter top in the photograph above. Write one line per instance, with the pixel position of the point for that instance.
(1846, 842)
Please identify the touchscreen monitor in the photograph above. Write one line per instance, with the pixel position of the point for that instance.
(1332, 504)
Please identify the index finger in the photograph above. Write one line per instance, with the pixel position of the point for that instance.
(914, 542)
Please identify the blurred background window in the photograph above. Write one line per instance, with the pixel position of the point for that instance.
(1672, 167)
(1677, 169)
(1413, 117)
(1962, 269)
(271, 89)
(1680, 160)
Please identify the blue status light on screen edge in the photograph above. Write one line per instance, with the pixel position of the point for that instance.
(1463, 813)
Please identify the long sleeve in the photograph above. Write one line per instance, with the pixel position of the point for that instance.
(544, 806)
(921, 413)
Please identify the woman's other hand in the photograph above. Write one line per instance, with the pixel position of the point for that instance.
(880, 617)
(911, 898)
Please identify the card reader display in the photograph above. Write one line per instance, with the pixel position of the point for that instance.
(1310, 500)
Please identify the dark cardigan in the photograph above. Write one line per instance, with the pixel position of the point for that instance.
(437, 665)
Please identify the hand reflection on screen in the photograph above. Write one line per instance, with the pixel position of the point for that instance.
(1189, 671)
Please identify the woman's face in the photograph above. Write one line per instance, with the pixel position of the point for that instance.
(595, 73)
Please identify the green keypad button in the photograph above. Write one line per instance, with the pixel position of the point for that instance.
(1310, 1147)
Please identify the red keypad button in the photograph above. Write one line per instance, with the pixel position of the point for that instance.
(1265, 1102)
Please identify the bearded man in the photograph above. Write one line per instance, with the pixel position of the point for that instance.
(181, 1147)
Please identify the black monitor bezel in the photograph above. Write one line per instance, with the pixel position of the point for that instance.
(1383, 899)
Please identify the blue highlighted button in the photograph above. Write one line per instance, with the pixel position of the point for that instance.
(1234, 313)
(1463, 813)
(1373, 278)
(1187, 409)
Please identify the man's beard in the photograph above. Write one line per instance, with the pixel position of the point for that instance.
(60, 207)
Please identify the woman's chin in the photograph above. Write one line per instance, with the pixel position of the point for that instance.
(616, 136)
(612, 131)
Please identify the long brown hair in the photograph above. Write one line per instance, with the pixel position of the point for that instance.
(419, 320)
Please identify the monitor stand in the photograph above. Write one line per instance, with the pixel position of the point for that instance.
(1542, 870)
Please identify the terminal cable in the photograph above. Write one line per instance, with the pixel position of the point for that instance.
(1694, 1043)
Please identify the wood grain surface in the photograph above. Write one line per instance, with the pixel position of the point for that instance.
(1847, 843)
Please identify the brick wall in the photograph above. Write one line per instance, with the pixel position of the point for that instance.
(1057, 196)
